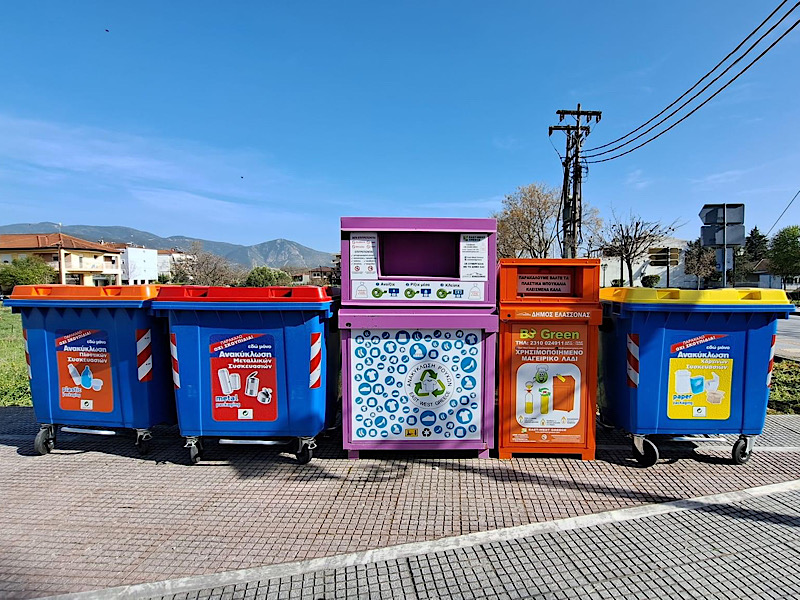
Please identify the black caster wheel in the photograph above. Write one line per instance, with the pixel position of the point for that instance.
(650, 456)
(740, 453)
(143, 445)
(305, 455)
(44, 442)
(195, 454)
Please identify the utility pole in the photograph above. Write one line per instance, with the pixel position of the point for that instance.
(571, 210)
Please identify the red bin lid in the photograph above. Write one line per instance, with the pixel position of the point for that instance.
(204, 293)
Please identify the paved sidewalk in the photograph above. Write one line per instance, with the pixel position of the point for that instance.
(740, 545)
(93, 514)
(787, 343)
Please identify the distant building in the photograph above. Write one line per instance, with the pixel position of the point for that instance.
(167, 260)
(611, 268)
(139, 266)
(78, 262)
(316, 276)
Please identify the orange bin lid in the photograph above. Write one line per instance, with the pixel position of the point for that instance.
(202, 293)
(81, 292)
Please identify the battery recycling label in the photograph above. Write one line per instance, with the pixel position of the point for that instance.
(701, 370)
(84, 370)
(416, 384)
(243, 379)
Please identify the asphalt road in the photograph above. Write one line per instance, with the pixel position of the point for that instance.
(787, 344)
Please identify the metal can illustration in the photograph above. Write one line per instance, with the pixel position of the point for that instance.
(251, 385)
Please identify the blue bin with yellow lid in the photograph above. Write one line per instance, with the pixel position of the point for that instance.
(688, 362)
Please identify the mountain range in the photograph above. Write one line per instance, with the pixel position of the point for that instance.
(277, 253)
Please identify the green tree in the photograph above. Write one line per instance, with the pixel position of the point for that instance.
(700, 262)
(756, 247)
(265, 276)
(29, 270)
(650, 281)
(784, 253)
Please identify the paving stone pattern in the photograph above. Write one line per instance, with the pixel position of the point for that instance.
(749, 549)
(93, 514)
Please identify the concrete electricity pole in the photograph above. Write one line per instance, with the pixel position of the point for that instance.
(571, 210)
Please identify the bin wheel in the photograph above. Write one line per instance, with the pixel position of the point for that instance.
(740, 453)
(143, 446)
(305, 455)
(44, 442)
(195, 454)
(650, 456)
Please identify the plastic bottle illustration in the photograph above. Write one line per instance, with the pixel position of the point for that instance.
(86, 378)
(544, 397)
(528, 397)
(73, 372)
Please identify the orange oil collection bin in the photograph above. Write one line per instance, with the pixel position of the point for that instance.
(549, 317)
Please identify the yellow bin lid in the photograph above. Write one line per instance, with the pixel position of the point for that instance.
(642, 295)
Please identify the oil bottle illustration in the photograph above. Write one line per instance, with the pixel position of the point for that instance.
(544, 397)
(528, 397)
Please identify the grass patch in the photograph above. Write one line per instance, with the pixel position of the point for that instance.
(14, 388)
(784, 396)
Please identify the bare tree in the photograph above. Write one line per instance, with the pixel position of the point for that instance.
(700, 262)
(199, 267)
(632, 237)
(527, 226)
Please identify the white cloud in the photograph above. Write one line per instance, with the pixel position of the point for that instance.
(720, 178)
(637, 180)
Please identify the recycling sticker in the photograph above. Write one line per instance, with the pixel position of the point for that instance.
(416, 384)
(429, 384)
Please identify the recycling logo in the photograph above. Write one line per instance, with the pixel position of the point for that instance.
(429, 384)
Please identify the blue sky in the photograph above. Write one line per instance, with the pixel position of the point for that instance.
(248, 121)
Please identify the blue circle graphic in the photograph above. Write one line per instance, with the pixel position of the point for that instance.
(417, 351)
(371, 375)
(364, 388)
(402, 337)
(460, 432)
(464, 416)
(469, 365)
(375, 352)
(361, 432)
(471, 339)
(411, 420)
(427, 418)
(380, 422)
(390, 347)
(396, 429)
(468, 383)
(391, 406)
(360, 352)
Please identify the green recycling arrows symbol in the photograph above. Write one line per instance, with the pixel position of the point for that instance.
(429, 373)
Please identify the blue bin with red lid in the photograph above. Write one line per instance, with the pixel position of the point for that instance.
(249, 365)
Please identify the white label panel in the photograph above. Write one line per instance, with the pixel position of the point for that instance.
(474, 256)
(545, 283)
(363, 255)
(416, 384)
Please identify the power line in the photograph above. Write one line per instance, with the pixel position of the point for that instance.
(708, 85)
(784, 212)
(706, 101)
(699, 81)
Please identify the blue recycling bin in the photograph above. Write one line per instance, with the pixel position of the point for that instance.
(98, 360)
(250, 364)
(686, 362)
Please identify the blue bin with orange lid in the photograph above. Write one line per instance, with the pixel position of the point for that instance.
(688, 362)
(98, 360)
(250, 364)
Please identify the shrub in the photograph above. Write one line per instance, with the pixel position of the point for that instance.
(650, 281)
